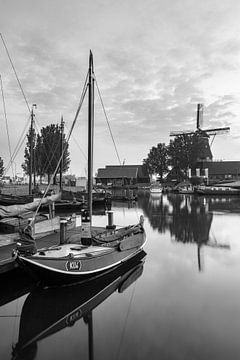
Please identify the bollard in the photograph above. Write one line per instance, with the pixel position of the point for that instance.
(53, 209)
(63, 230)
(86, 233)
(110, 221)
(50, 211)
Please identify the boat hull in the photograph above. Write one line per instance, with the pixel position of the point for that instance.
(74, 268)
(47, 311)
(218, 191)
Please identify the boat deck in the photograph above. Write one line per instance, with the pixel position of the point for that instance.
(77, 251)
(8, 244)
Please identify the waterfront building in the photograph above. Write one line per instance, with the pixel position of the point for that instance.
(118, 175)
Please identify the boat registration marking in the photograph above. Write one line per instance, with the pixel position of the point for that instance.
(73, 265)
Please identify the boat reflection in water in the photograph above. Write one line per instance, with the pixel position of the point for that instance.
(47, 311)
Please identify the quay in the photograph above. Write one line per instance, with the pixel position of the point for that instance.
(8, 244)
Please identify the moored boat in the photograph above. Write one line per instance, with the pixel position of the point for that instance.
(187, 189)
(90, 251)
(16, 217)
(7, 199)
(47, 311)
(156, 188)
(216, 190)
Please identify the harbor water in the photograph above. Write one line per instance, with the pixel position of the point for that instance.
(180, 301)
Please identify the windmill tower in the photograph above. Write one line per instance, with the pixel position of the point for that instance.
(205, 153)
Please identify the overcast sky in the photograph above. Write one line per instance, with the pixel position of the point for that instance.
(154, 61)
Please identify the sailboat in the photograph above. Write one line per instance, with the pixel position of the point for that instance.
(14, 218)
(90, 251)
(47, 311)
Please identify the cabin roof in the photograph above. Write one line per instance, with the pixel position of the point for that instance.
(120, 171)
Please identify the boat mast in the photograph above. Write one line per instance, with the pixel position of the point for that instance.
(31, 150)
(61, 153)
(90, 133)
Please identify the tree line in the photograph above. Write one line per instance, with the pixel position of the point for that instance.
(181, 154)
(47, 148)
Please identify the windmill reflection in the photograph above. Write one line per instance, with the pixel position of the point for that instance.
(186, 217)
(191, 223)
(47, 311)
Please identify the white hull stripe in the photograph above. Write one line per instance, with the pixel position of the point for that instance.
(35, 263)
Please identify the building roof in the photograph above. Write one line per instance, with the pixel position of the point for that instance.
(120, 171)
(221, 167)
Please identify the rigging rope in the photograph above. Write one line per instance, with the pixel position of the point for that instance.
(99, 94)
(22, 137)
(5, 116)
(17, 148)
(19, 83)
(65, 147)
(84, 155)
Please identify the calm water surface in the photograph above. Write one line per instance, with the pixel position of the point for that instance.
(181, 301)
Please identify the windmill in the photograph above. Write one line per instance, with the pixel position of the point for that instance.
(202, 134)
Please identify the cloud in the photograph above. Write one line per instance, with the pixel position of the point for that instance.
(154, 61)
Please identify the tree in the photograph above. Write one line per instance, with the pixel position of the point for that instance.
(183, 151)
(1, 167)
(26, 164)
(157, 160)
(49, 150)
(46, 152)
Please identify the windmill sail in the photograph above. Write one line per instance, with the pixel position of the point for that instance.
(208, 132)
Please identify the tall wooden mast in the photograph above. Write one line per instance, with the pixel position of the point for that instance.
(61, 153)
(31, 150)
(90, 132)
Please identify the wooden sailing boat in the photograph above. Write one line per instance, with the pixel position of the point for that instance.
(48, 311)
(91, 250)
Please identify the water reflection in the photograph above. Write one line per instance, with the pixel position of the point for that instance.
(14, 284)
(224, 204)
(47, 311)
(188, 218)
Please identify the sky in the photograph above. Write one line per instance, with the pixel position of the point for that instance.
(154, 61)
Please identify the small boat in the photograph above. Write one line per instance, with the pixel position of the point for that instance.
(7, 199)
(156, 188)
(187, 189)
(16, 217)
(14, 224)
(217, 190)
(90, 251)
(47, 311)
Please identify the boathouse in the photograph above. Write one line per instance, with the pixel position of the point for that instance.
(119, 175)
(215, 171)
